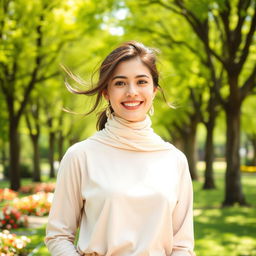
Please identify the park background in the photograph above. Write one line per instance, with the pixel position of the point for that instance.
(207, 64)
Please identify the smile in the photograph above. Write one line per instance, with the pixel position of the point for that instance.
(132, 105)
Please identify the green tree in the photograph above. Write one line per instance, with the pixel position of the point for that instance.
(30, 46)
(24, 54)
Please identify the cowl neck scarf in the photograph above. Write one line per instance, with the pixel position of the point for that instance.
(136, 136)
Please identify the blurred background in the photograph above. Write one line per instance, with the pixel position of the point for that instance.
(207, 65)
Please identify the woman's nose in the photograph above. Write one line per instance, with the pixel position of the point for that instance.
(131, 90)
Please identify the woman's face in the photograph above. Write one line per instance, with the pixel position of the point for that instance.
(131, 90)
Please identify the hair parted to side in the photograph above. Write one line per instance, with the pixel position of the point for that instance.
(126, 51)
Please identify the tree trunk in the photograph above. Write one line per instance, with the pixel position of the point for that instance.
(34, 133)
(51, 153)
(233, 190)
(177, 140)
(209, 157)
(36, 158)
(186, 135)
(190, 152)
(4, 159)
(14, 160)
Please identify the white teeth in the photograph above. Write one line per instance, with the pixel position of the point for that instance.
(132, 104)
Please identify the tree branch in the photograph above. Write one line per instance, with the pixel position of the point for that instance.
(43, 78)
(224, 15)
(200, 28)
(159, 2)
(197, 104)
(4, 7)
(237, 33)
(249, 84)
(217, 87)
(216, 81)
(217, 22)
(28, 124)
(3, 88)
(167, 35)
(13, 75)
(32, 81)
(248, 40)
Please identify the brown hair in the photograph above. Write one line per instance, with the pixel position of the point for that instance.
(126, 51)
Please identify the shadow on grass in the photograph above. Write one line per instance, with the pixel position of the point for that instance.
(225, 232)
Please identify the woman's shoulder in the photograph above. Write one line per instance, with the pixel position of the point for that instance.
(178, 153)
(79, 148)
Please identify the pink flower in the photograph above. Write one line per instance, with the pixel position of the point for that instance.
(8, 226)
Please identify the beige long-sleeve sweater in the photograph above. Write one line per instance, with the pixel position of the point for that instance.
(128, 191)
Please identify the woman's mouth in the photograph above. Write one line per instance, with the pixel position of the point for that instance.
(132, 105)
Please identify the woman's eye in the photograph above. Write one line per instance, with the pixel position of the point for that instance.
(142, 82)
(119, 83)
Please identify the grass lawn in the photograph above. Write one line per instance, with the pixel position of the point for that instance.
(218, 231)
(224, 231)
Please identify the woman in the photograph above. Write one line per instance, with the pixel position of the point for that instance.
(128, 191)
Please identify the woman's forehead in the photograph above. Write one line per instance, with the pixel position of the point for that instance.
(131, 68)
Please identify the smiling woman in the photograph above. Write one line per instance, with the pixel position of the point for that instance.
(118, 68)
(127, 190)
(131, 90)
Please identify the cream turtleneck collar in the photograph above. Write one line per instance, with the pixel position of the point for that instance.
(135, 136)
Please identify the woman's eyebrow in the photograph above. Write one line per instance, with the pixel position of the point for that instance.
(116, 77)
(141, 76)
(125, 77)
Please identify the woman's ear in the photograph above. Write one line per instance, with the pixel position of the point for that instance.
(105, 94)
(155, 90)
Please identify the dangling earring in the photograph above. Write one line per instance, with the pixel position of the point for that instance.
(151, 110)
(108, 112)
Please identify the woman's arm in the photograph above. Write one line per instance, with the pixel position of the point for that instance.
(66, 208)
(183, 232)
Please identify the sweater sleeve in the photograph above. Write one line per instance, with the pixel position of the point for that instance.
(183, 232)
(66, 207)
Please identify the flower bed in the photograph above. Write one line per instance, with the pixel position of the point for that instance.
(246, 168)
(11, 218)
(38, 204)
(38, 187)
(12, 245)
(7, 194)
